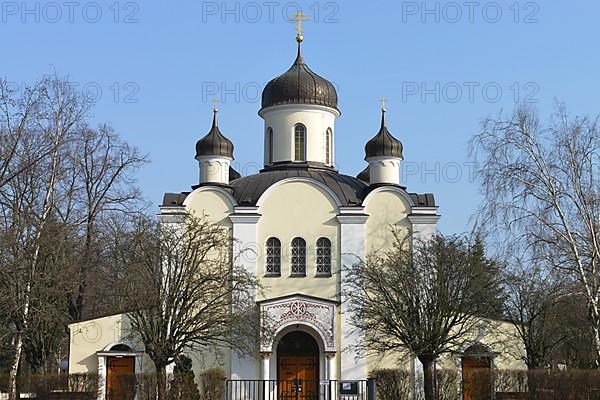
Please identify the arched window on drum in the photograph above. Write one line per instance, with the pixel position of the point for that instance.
(299, 142)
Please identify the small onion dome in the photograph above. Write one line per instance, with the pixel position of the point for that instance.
(383, 144)
(363, 175)
(299, 85)
(214, 143)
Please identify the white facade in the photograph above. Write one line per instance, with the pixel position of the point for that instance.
(283, 119)
(308, 202)
(384, 170)
(214, 169)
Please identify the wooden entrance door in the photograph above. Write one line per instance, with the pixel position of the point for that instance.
(120, 378)
(298, 378)
(477, 378)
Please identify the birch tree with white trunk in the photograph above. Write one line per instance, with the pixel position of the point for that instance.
(48, 115)
(541, 186)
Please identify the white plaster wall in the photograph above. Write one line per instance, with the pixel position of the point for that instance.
(89, 337)
(282, 120)
(212, 202)
(350, 365)
(214, 169)
(384, 170)
(387, 210)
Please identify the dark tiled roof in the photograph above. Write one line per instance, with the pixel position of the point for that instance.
(299, 85)
(247, 190)
(349, 190)
(423, 200)
(383, 144)
(214, 143)
(174, 199)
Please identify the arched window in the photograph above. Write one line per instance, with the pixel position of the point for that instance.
(273, 257)
(328, 135)
(298, 257)
(269, 145)
(299, 142)
(323, 256)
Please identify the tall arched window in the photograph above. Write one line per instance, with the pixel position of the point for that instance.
(328, 135)
(299, 142)
(323, 256)
(269, 145)
(273, 257)
(298, 257)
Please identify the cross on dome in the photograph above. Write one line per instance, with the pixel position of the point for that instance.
(382, 101)
(299, 17)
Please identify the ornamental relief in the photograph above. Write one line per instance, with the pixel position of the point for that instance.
(298, 310)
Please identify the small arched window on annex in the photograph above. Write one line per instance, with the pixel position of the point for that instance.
(299, 142)
(323, 257)
(269, 143)
(328, 147)
(298, 257)
(273, 257)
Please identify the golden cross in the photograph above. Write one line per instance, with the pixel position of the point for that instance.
(383, 100)
(215, 102)
(299, 17)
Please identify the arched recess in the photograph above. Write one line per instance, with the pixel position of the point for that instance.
(326, 190)
(226, 195)
(212, 201)
(401, 193)
(120, 346)
(298, 312)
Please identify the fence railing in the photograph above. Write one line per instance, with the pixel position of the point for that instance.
(298, 389)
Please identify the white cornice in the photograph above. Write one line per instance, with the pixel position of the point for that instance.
(297, 107)
(424, 219)
(352, 215)
(245, 215)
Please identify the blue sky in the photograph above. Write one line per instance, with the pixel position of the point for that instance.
(157, 65)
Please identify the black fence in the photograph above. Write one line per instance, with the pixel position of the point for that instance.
(298, 389)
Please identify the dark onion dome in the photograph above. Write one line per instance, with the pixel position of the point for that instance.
(383, 144)
(364, 175)
(214, 143)
(299, 85)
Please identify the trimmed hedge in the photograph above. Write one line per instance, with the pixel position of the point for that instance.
(396, 384)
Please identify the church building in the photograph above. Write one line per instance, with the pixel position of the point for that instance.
(305, 220)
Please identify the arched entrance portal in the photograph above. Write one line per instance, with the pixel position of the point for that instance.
(298, 367)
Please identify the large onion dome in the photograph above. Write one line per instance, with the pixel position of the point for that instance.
(214, 143)
(299, 85)
(383, 144)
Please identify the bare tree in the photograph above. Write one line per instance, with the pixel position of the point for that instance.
(29, 197)
(19, 114)
(102, 182)
(189, 292)
(533, 296)
(58, 180)
(541, 186)
(423, 299)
